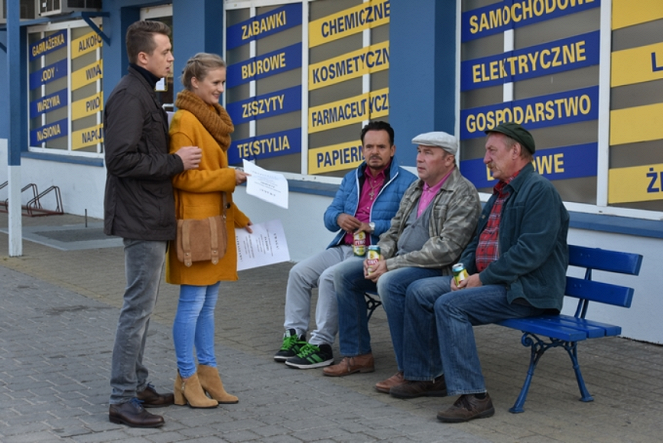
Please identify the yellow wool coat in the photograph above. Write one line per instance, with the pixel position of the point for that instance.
(198, 195)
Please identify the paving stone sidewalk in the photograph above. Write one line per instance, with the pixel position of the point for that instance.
(58, 311)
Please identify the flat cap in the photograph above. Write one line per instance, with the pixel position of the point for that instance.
(516, 132)
(439, 139)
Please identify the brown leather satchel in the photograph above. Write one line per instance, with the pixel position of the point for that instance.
(202, 240)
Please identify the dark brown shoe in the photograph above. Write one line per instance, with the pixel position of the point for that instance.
(414, 388)
(467, 407)
(152, 399)
(394, 380)
(133, 414)
(350, 365)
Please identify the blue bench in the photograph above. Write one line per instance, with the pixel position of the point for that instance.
(565, 330)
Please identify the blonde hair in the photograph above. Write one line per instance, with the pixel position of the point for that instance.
(199, 65)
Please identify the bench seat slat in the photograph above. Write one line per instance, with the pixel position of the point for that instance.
(535, 326)
(594, 329)
(600, 292)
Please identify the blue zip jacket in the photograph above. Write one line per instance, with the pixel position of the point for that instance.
(383, 209)
(532, 241)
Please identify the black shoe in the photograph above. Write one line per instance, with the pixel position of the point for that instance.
(133, 414)
(467, 407)
(312, 356)
(292, 344)
(150, 398)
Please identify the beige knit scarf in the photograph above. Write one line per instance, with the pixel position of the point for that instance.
(214, 118)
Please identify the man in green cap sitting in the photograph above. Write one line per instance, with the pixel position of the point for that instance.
(517, 266)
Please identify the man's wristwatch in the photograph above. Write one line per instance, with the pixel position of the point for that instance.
(371, 226)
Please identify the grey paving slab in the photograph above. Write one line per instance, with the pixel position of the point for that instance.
(58, 311)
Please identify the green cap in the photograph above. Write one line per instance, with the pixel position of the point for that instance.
(516, 132)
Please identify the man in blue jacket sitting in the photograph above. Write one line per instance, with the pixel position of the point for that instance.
(366, 201)
(517, 268)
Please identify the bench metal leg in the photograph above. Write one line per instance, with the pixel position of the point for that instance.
(538, 348)
(572, 350)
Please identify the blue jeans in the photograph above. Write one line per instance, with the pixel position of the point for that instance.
(194, 325)
(315, 272)
(350, 284)
(143, 262)
(432, 307)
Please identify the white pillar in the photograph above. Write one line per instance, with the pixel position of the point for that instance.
(15, 225)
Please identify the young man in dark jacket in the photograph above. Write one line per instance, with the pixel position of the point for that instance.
(139, 207)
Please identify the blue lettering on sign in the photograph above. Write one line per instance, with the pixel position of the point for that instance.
(546, 59)
(48, 74)
(48, 132)
(266, 146)
(538, 112)
(265, 65)
(500, 16)
(555, 164)
(48, 103)
(267, 105)
(653, 175)
(264, 25)
(655, 66)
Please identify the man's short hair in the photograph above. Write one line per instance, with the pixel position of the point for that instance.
(140, 37)
(378, 125)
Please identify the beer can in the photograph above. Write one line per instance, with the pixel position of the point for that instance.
(373, 257)
(359, 243)
(459, 272)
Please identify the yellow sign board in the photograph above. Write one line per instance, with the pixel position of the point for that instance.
(633, 12)
(635, 184)
(638, 124)
(348, 111)
(87, 106)
(87, 74)
(335, 157)
(351, 65)
(637, 65)
(348, 22)
(87, 137)
(87, 43)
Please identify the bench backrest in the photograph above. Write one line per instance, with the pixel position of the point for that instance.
(587, 289)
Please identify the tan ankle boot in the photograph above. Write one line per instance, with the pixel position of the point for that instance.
(212, 384)
(188, 391)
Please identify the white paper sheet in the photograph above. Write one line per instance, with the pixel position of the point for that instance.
(265, 246)
(266, 185)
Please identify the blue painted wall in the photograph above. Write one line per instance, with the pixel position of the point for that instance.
(422, 71)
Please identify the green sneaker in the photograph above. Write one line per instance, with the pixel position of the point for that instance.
(292, 344)
(312, 356)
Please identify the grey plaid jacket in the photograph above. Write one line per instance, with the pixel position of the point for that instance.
(453, 223)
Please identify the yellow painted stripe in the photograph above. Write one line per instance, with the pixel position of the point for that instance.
(87, 106)
(86, 75)
(87, 43)
(637, 65)
(350, 65)
(633, 12)
(335, 157)
(635, 184)
(348, 22)
(639, 124)
(87, 137)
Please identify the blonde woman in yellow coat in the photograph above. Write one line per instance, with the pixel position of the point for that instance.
(201, 121)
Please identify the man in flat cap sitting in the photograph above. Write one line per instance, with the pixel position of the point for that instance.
(516, 263)
(435, 220)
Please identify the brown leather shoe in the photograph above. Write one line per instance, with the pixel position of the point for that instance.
(350, 365)
(152, 399)
(133, 414)
(394, 380)
(467, 407)
(415, 388)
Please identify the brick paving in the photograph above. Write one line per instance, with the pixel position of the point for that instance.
(58, 313)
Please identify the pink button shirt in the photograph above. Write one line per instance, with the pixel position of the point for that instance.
(429, 194)
(369, 192)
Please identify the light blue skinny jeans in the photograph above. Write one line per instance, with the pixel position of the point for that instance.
(194, 326)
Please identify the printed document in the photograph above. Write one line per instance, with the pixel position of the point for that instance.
(266, 185)
(265, 246)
